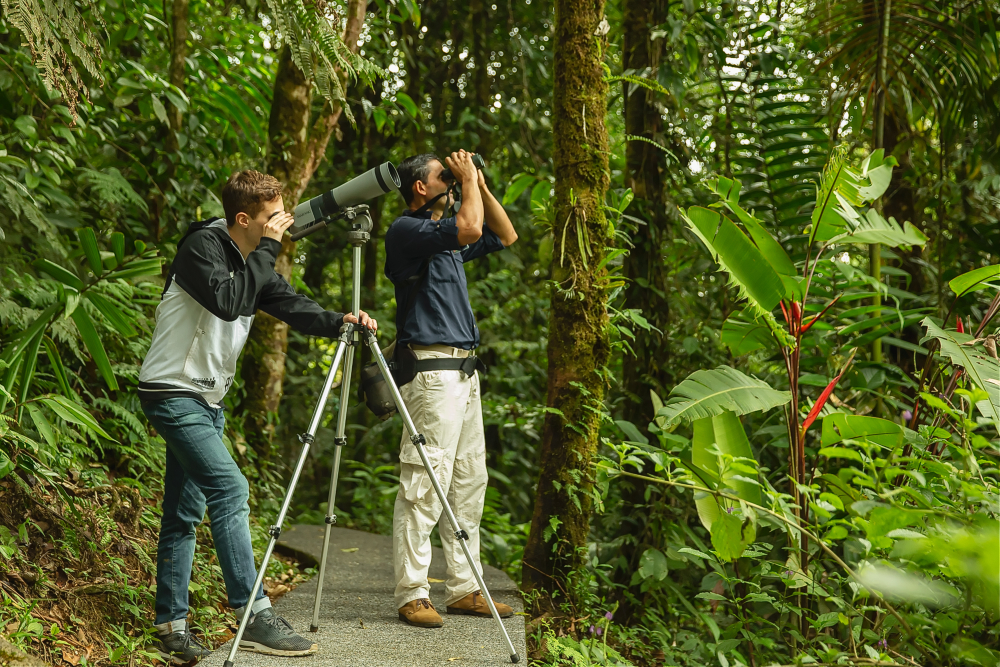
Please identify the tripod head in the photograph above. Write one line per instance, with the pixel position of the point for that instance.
(358, 217)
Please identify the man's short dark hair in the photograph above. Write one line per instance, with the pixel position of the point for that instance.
(247, 191)
(413, 169)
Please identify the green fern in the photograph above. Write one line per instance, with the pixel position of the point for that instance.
(111, 188)
(50, 28)
(319, 51)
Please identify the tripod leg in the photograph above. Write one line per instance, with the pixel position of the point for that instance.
(339, 441)
(418, 440)
(275, 530)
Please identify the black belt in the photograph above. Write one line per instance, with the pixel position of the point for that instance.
(468, 365)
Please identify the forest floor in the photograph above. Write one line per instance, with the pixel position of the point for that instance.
(77, 575)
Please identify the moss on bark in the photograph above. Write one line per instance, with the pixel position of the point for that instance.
(578, 335)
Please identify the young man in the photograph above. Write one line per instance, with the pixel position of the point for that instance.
(222, 274)
(444, 404)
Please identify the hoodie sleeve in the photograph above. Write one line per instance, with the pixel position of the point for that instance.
(200, 268)
(279, 300)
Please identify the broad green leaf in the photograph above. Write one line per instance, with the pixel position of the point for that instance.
(118, 246)
(974, 280)
(653, 565)
(879, 177)
(838, 427)
(982, 369)
(745, 337)
(75, 413)
(516, 187)
(706, 393)
(159, 109)
(407, 103)
(94, 345)
(40, 323)
(57, 367)
(873, 228)
(729, 190)
(112, 313)
(631, 431)
(42, 424)
(747, 267)
(731, 536)
(88, 241)
(64, 276)
(725, 433)
(29, 364)
(143, 267)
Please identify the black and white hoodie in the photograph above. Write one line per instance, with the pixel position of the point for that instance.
(208, 305)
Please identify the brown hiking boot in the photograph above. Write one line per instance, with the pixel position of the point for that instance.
(420, 613)
(474, 604)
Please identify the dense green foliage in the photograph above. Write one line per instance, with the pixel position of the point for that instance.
(784, 495)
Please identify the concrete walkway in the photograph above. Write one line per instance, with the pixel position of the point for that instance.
(359, 626)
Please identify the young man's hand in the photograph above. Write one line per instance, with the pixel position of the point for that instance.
(365, 320)
(276, 226)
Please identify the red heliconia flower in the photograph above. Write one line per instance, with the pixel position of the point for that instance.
(958, 324)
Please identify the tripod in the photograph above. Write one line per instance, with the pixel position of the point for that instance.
(351, 336)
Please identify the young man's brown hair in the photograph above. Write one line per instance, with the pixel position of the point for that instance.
(248, 191)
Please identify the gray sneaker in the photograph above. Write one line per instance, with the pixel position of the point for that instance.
(271, 634)
(179, 648)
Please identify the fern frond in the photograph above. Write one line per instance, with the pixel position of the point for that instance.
(50, 28)
(111, 188)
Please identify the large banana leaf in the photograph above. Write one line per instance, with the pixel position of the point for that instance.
(744, 337)
(974, 280)
(729, 191)
(746, 265)
(707, 393)
(724, 433)
(838, 427)
(983, 370)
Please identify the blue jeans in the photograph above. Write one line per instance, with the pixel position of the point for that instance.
(200, 474)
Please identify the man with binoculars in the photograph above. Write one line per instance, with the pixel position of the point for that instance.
(436, 370)
(222, 274)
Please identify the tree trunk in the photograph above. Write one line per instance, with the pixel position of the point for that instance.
(578, 340)
(295, 150)
(647, 289)
(177, 74)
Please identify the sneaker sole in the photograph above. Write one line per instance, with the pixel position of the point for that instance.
(176, 659)
(403, 618)
(469, 612)
(254, 647)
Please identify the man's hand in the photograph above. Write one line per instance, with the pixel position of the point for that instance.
(365, 320)
(276, 226)
(461, 166)
(482, 180)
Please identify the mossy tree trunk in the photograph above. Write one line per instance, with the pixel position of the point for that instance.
(578, 347)
(296, 145)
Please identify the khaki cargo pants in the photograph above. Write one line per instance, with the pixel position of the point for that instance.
(445, 407)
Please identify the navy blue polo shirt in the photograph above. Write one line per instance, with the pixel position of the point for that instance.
(440, 313)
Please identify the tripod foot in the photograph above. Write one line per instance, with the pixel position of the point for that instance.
(513, 657)
(227, 663)
(313, 628)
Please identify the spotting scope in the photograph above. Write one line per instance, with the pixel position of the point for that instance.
(371, 184)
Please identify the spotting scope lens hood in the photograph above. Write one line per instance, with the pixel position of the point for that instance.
(369, 185)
